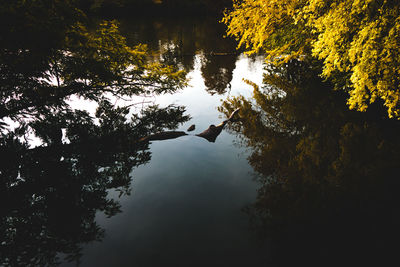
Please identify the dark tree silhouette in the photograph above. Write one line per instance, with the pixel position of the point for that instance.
(50, 193)
(328, 176)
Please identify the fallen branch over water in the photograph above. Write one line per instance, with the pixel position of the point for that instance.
(210, 134)
(162, 136)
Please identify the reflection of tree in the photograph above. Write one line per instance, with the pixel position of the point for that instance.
(168, 39)
(52, 192)
(329, 177)
(217, 72)
(37, 75)
(219, 59)
(178, 40)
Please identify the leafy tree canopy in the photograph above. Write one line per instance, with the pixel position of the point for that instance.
(358, 41)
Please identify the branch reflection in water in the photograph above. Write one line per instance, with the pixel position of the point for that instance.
(328, 177)
(54, 191)
(177, 41)
(51, 193)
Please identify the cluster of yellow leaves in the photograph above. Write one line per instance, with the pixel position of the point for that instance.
(356, 37)
(268, 26)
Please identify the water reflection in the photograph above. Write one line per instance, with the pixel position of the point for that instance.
(51, 190)
(217, 72)
(54, 191)
(329, 177)
(178, 40)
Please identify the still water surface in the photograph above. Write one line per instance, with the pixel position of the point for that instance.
(298, 180)
(186, 203)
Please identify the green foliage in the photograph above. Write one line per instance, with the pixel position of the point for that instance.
(356, 39)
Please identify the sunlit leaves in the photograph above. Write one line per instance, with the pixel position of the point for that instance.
(360, 39)
(269, 26)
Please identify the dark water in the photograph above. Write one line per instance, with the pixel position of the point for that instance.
(186, 203)
(299, 180)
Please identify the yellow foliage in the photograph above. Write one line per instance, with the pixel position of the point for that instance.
(356, 37)
(269, 26)
(115, 63)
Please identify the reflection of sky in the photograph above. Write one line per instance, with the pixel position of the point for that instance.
(201, 105)
(185, 207)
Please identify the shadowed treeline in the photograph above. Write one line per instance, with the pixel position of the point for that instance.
(157, 7)
(329, 177)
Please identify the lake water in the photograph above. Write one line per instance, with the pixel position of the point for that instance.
(297, 180)
(186, 203)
